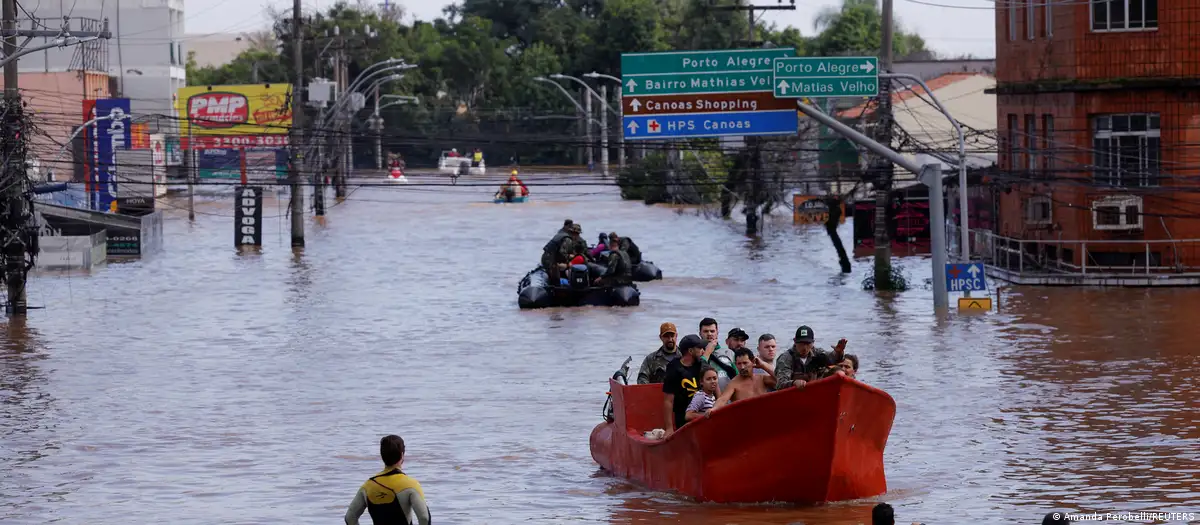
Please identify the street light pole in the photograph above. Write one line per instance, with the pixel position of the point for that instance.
(619, 113)
(603, 98)
(604, 137)
(929, 174)
(586, 112)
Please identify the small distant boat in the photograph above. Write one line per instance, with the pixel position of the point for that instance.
(396, 175)
(450, 165)
(828, 447)
(519, 198)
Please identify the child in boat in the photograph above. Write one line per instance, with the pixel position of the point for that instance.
(703, 401)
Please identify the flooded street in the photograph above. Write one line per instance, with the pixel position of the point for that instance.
(203, 386)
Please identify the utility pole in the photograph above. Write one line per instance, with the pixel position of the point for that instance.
(882, 168)
(587, 106)
(340, 78)
(377, 127)
(17, 231)
(193, 172)
(16, 213)
(621, 153)
(295, 137)
(604, 124)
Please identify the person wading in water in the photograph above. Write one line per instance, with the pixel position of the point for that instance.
(390, 496)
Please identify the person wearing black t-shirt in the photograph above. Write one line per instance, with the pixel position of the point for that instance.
(682, 381)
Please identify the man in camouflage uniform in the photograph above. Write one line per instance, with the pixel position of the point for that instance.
(620, 270)
(557, 251)
(802, 362)
(654, 366)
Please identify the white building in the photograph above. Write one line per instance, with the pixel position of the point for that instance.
(216, 49)
(145, 57)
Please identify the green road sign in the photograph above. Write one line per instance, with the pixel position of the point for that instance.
(826, 77)
(687, 83)
(730, 60)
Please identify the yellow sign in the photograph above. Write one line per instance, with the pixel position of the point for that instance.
(811, 209)
(245, 110)
(975, 303)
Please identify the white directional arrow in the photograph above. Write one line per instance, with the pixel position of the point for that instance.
(783, 86)
(974, 271)
(635, 105)
(631, 85)
(633, 127)
(867, 66)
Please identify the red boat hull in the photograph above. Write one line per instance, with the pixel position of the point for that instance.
(822, 443)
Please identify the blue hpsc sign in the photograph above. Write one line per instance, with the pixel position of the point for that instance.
(969, 277)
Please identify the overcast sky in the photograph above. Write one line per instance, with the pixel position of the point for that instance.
(958, 27)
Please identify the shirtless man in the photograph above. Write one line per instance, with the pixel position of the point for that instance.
(747, 384)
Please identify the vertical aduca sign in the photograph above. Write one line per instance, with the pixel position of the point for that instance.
(247, 216)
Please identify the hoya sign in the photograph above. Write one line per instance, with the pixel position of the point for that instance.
(247, 216)
(218, 110)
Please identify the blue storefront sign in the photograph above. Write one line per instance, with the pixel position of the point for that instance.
(108, 135)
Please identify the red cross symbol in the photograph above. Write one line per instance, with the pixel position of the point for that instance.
(653, 125)
(954, 271)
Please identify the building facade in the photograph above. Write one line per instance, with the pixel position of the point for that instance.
(145, 56)
(1098, 119)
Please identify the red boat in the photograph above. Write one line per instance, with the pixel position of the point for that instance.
(830, 448)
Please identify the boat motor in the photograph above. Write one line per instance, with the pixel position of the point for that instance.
(579, 277)
(622, 375)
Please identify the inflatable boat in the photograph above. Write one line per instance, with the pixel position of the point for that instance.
(833, 431)
(535, 292)
(519, 198)
(644, 272)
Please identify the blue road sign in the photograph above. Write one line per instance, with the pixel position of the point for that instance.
(651, 127)
(968, 277)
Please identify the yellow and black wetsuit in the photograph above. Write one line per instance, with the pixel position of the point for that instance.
(390, 497)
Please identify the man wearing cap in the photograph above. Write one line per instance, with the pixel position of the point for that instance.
(682, 382)
(654, 366)
(552, 252)
(801, 362)
(574, 243)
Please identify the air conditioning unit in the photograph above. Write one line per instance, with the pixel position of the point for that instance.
(1118, 212)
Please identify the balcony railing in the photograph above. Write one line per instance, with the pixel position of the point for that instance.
(1086, 258)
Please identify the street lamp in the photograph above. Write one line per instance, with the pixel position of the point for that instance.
(594, 74)
(620, 114)
(587, 87)
(603, 119)
(587, 114)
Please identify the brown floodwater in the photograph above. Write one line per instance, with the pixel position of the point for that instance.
(204, 386)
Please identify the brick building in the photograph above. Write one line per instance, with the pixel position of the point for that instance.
(1098, 117)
